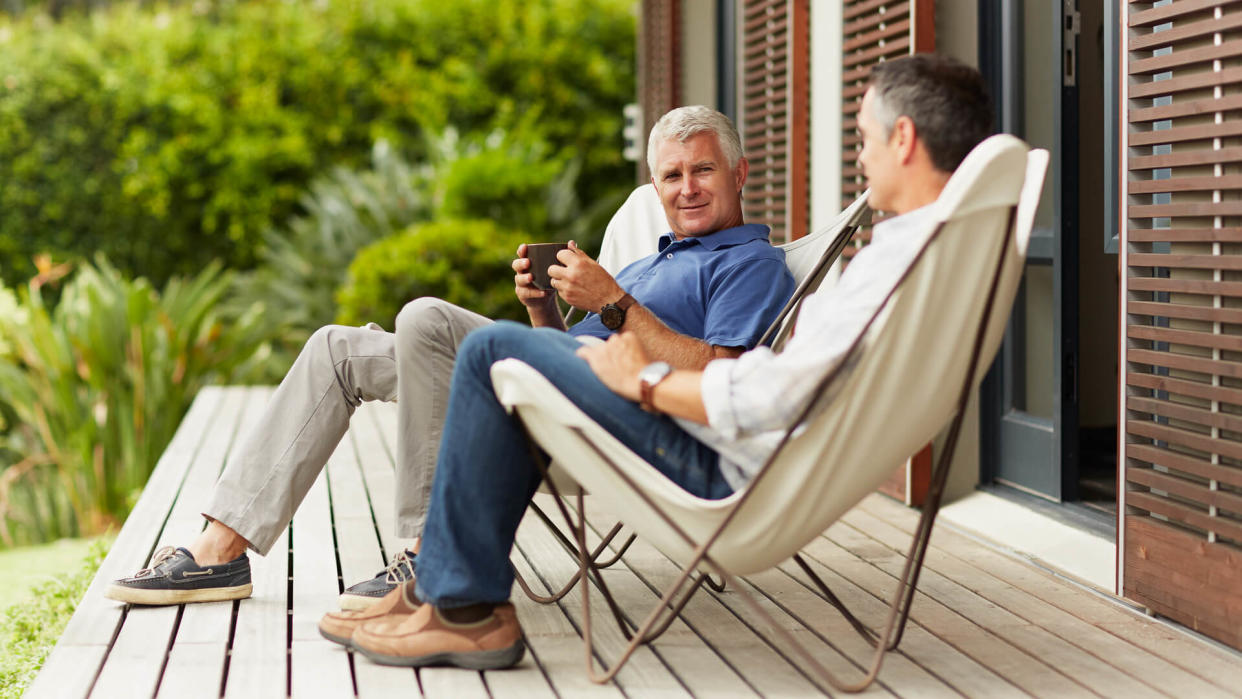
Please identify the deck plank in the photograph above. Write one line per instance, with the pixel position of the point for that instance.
(376, 428)
(318, 667)
(258, 659)
(645, 673)
(954, 668)
(967, 598)
(202, 641)
(359, 555)
(1130, 660)
(841, 569)
(1190, 655)
(142, 644)
(725, 628)
(88, 635)
(553, 642)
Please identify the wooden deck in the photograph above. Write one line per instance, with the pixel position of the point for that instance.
(985, 624)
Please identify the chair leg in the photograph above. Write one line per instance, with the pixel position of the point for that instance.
(572, 549)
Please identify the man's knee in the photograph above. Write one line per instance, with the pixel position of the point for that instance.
(425, 317)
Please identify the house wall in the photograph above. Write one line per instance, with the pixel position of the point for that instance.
(698, 41)
(957, 25)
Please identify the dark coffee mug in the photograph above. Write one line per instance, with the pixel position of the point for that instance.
(542, 256)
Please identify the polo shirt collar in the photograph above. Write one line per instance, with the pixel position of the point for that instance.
(722, 238)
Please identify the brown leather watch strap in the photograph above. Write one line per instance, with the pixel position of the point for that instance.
(646, 396)
(625, 302)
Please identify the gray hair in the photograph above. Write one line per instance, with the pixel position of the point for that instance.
(683, 123)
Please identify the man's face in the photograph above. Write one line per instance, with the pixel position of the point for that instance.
(878, 159)
(701, 195)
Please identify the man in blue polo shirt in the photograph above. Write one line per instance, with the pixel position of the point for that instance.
(710, 292)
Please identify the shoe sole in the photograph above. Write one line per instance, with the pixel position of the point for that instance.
(342, 640)
(477, 660)
(356, 603)
(133, 595)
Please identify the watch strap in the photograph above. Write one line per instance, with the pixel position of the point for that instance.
(646, 391)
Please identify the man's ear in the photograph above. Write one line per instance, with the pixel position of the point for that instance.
(743, 169)
(904, 138)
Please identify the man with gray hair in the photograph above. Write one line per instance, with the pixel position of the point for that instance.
(709, 292)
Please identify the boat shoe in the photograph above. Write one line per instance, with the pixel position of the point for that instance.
(339, 627)
(427, 638)
(360, 596)
(174, 578)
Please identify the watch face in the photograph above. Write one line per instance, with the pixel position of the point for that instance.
(612, 317)
(654, 372)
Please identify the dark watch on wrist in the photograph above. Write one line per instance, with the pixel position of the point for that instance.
(612, 315)
(648, 378)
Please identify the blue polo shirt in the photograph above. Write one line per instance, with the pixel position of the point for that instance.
(724, 288)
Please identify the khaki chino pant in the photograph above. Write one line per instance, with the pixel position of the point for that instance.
(278, 461)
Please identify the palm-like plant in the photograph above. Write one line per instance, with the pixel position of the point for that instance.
(96, 385)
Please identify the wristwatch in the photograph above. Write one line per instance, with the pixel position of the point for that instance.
(612, 315)
(648, 378)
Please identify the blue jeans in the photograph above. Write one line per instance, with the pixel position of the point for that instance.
(485, 475)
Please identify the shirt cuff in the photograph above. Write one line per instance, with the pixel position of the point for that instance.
(715, 391)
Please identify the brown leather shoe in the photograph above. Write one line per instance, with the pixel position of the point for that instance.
(427, 638)
(401, 602)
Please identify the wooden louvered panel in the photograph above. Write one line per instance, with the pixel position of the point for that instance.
(659, 66)
(775, 114)
(1182, 254)
(874, 31)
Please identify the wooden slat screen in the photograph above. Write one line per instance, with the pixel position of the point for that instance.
(1182, 299)
(775, 113)
(659, 67)
(874, 31)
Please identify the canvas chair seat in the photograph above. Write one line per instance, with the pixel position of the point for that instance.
(896, 389)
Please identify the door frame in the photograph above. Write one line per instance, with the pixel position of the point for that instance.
(1000, 60)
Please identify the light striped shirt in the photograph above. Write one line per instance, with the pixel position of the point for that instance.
(752, 400)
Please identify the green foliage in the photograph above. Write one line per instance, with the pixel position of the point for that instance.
(463, 262)
(511, 179)
(169, 137)
(303, 264)
(29, 629)
(96, 386)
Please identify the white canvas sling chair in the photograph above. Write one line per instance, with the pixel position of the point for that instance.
(913, 368)
(631, 235)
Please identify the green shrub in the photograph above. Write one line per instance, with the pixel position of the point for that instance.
(302, 264)
(508, 178)
(29, 629)
(167, 137)
(96, 386)
(464, 262)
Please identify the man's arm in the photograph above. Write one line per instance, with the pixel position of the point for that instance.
(583, 283)
(662, 343)
(617, 363)
(540, 305)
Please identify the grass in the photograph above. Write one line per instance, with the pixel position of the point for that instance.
(30, 626)
(22, 569)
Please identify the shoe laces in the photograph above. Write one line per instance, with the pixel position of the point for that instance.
(161, 555)
(400, 568)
